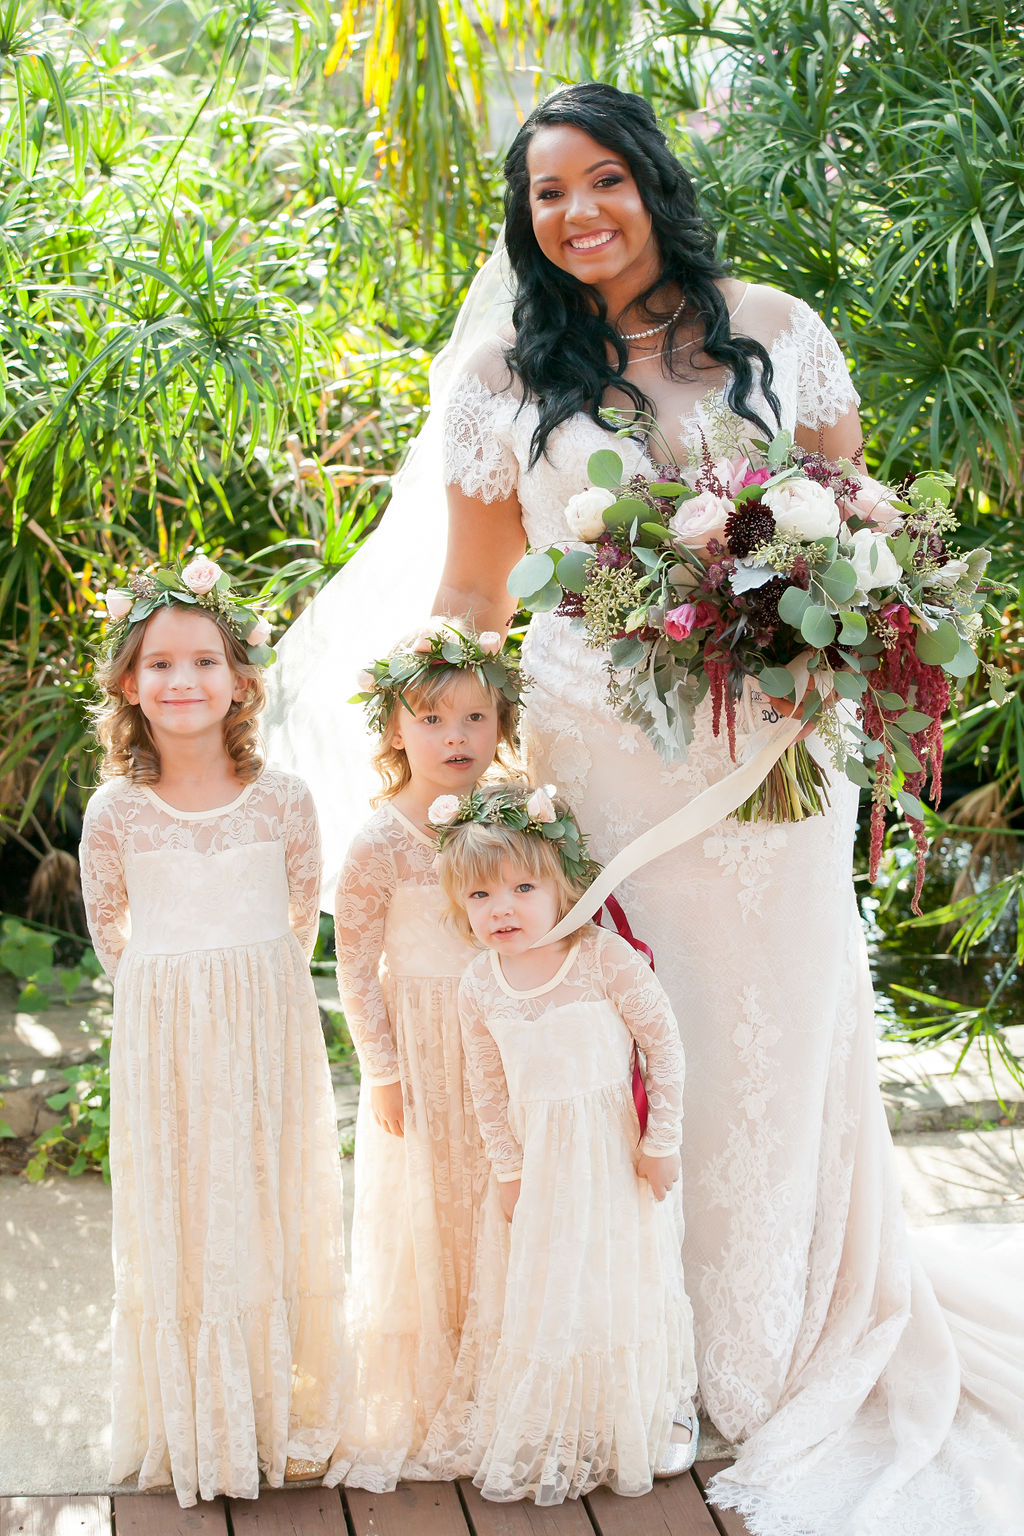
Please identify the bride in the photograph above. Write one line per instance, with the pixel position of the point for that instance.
(858, 1404)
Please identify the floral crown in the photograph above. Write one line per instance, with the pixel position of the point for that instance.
(439, 646)
(521, 810)
(199, 584)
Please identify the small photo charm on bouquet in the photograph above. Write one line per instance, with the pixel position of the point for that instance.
(780, 572)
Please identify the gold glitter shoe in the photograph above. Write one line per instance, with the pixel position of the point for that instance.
(298, 1471)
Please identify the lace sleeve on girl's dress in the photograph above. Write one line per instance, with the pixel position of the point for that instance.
(487, 1083)
(824, 388)
(102, 865)
(304, 864)
(365, 889)
(646, 1012)
(478, 455)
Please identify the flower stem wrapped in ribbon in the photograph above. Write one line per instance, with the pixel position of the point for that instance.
(201, 584)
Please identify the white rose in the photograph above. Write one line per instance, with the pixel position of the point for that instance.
(201, 575)
(444, 810)
(803, 509)
(701, 518)
(259, 634)
(539, 807)
(119, 604)
(583, 513)
(871, 504)
(489, 642)
(858, 550)
(365, 681)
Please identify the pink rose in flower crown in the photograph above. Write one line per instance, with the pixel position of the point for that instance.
(201, 575)
(444, 810)
(680, 622)
(259, 634)
(118, 604)
(539, 807)
(870, 503)
(489, 642)
(701, 519)
(431, 629)
(365, 681)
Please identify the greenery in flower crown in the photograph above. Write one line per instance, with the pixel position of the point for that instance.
(516, 806)
(385, 682)
(150, 590)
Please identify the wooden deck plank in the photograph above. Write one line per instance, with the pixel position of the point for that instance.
(523, 1518)
(55, 1514)
(674, 1507)
(414, 1509)
(160, 1514)
(289, 1512)
(729, 1522)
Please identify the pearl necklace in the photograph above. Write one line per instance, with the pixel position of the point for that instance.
(655, 330)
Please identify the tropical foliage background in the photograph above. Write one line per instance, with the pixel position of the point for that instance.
(232, 235)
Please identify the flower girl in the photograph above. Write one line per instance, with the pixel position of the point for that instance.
(201, 873)
(442, 706)
(577, 1358)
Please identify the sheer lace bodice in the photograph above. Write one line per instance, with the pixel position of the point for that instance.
(605, 997)
(179, 873)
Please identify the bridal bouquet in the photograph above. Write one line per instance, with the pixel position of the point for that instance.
(776, 566)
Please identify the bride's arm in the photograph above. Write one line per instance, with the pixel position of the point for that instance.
(844, 440)
(485, 539)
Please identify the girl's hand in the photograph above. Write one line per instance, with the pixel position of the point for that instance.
(509, 1195)
(388, 1109)
(660, 1172)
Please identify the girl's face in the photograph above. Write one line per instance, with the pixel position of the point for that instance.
(450, 743)
(588, 215)
(183, 681)
(510, 913)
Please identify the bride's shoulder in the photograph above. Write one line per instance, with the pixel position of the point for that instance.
(758, 310)
(486, 365)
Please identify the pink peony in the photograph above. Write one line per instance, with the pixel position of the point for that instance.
(259, 634)
(118, 604)
(702, 518)
(201, 575)
(490, 642)
(679, 622)
(870, 503)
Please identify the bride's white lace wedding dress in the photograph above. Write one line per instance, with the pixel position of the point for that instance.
(821, 1346)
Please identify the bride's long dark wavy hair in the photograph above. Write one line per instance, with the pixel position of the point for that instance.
(560, 353)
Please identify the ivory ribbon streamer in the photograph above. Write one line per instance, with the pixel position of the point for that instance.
(700, 813)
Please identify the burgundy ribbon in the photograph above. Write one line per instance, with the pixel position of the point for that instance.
(618, 917)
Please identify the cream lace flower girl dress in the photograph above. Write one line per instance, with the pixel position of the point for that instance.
(228, 1325)
(416, 1196)
(578, 1348)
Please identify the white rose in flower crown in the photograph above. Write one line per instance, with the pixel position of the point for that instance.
(489, 642)
(365, 681)
(583, 513)
(118, 604)
(701, 518)
(803, 509)
(444, 810)
(858, 547)
(870, 503)
(431, 629)
(201, 575)
(259, 634)
(539, 807)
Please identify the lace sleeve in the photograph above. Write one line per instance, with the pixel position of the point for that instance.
(824, 388)
(365, 888)
(478, 455)
(304, 864)
(641, 1000)
(487, 1084)
(103, 887)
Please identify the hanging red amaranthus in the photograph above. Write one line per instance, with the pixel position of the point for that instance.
(926, 690)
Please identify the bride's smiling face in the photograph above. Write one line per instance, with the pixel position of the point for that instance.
(588, 216)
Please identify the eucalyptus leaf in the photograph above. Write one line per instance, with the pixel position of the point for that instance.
(839, 581)
(572, 569)
(911, 804)
(912, 720)
(546, 600)
(670, 489)
(857, 773)
(964, 663)
(906, 761)
(778, 682)
(818, 627)
(849, 685)
(605, 469)
(530, 574)
(793, 604)
(937, 646)
(854, 627)
(628, 509)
